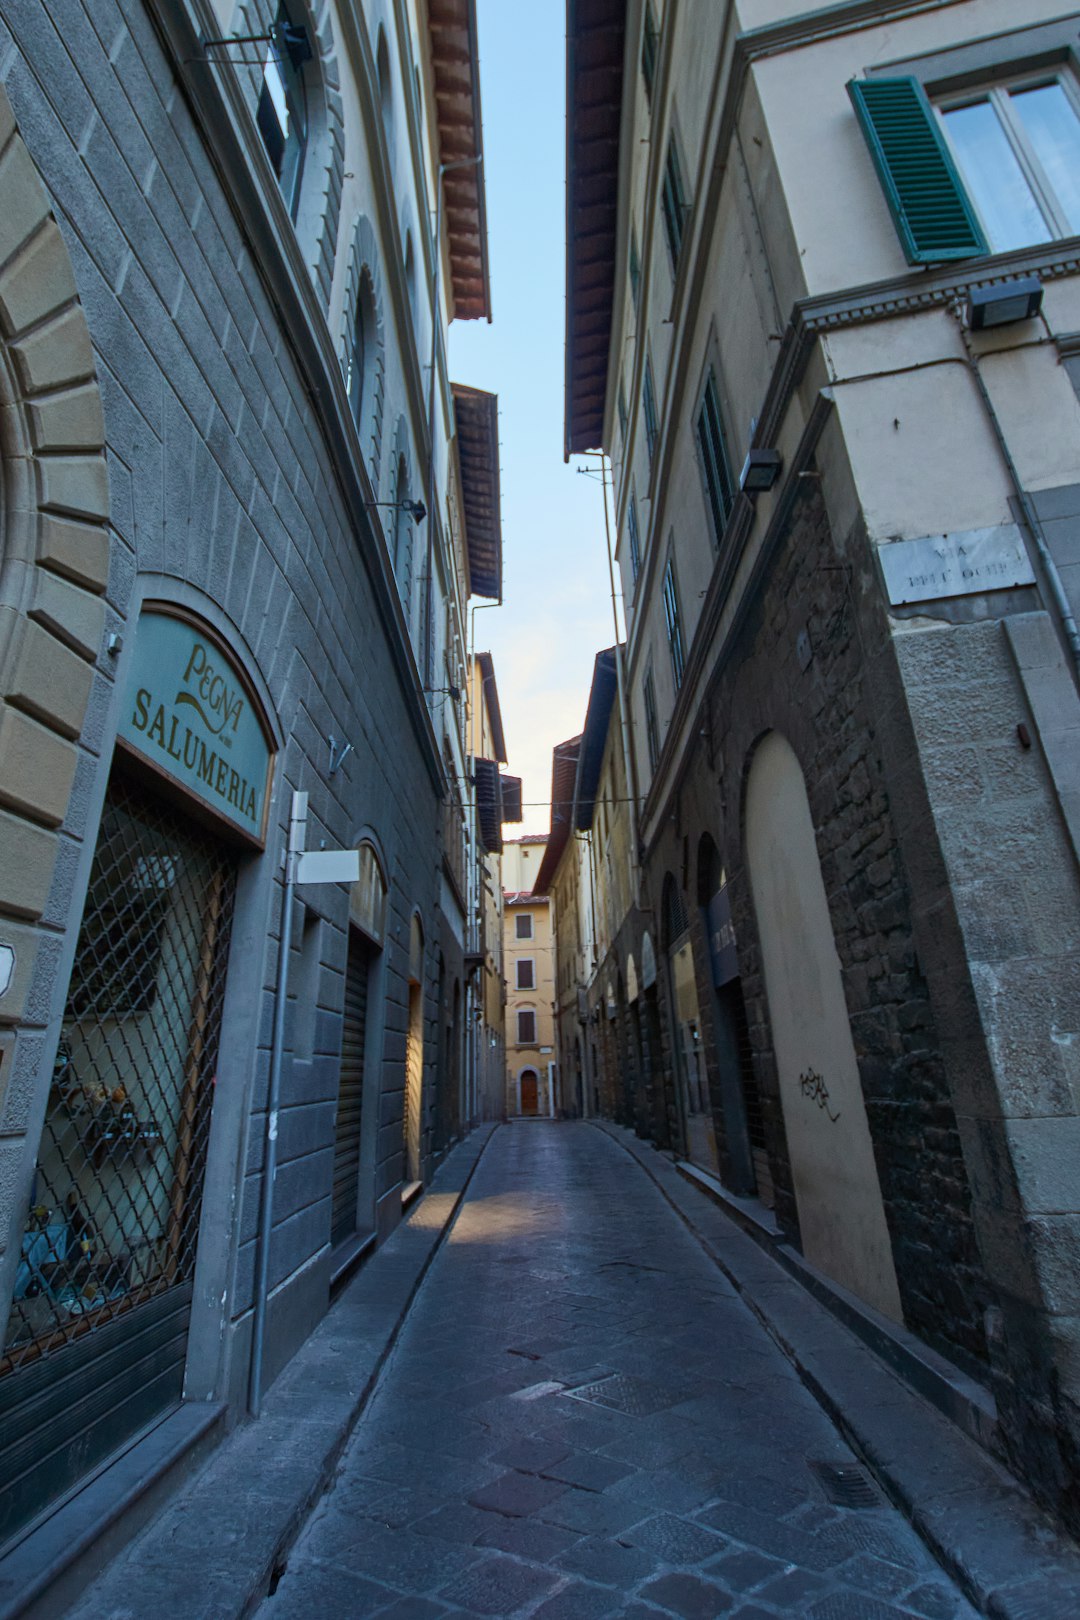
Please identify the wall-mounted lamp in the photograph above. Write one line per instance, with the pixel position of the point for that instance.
(1003, 303)
(760, 471)
(288, 37)
(416, 509)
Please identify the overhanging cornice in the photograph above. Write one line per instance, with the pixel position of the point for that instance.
(455, 65)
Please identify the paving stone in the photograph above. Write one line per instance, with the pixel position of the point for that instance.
(689, 1596)
(588, 1470)
(316, 1588)
(676, 1541)
(933, 1602)
(531, 1455)
(609, 1561)
(517, 1495)
(498, 1585)
(457, 1521)
(578, 1601)
(743, 1571)
(410, 1608)
(856, 1606)
(529, 1538)
(796, 1586)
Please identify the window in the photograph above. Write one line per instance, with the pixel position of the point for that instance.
(1018, 150)
(652, 728)
(623, 417)
(719, 485)
(282, 111)
(635, 268)
(634, 538)
(526, 977)
(674, 626)
(930, 208)
(402, 520)
(523, 926)
(650, 40)
(356, 379)
(674, 203)
(648, 402)
(526, 1027)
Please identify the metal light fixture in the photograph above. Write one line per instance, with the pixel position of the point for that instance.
(416, 509)
(760, 471)
(292, 38)
(1003, 303)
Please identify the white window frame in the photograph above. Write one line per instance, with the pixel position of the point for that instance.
(998, 92)
(523, 917)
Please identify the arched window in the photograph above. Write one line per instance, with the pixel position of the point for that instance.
(357, 379)
(402, 519)
(283, 108)
(382, 74)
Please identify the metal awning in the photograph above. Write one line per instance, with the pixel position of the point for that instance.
(595, 42)
(455, 63)
(476, 420)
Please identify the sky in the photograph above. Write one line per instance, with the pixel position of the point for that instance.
(556, 612)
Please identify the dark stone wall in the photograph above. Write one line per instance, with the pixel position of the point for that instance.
(829, 712)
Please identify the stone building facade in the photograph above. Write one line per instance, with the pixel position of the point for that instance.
(234, 565)
(833, 371)
(532, 1065)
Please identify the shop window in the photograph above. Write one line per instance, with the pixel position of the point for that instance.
(282, 114)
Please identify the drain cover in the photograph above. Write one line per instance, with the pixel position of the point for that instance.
(635, 1396)
(847, 1484)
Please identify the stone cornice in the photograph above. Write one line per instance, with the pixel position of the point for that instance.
(230, 136)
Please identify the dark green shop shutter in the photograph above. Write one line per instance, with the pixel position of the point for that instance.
(925, 194)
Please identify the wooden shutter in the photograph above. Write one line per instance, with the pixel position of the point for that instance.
(925, 194)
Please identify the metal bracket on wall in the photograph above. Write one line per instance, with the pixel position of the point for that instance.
(338, 756)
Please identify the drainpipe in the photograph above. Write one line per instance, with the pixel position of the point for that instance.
(1034, 527)
(297, 829)
(629, 764)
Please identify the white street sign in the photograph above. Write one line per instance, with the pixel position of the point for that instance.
(328, 866)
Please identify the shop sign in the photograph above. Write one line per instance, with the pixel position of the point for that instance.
(189, 713)
(722, 953)
(648, 963)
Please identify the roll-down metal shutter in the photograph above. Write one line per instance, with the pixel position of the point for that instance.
(350, 1093)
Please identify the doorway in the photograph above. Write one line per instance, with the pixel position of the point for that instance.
(529, 1091)
(344, 1216)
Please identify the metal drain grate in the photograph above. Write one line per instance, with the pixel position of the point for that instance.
(634, 1396)
(847, 1484)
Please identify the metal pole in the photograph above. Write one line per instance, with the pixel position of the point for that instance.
(297, 828)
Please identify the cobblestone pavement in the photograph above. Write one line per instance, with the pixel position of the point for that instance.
(581, 1419)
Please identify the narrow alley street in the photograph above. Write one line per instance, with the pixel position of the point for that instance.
(582, 1418)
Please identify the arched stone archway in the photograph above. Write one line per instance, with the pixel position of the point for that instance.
(54, 565)
(841, 1217)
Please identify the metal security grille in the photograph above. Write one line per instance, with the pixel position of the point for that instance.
(114, 1213)
(346, 1179)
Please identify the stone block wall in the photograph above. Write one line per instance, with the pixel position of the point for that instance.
(223, 493)
(828, 706)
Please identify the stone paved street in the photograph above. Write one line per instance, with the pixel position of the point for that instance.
(581, 1418)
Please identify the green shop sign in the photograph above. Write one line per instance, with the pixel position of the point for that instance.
(190, 713)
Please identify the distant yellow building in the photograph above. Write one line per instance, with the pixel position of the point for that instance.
(529, 958)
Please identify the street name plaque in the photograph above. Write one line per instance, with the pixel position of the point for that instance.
(963, 564)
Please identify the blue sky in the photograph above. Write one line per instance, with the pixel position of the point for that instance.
(557, 603)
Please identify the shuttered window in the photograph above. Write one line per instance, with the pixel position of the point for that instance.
(652, 728)
(719, 485)
(649, 48)
(674, 623)
(635, 268)
(648, 405)
(624, 420)
(674, 203)
(926, 197)
(634, 538)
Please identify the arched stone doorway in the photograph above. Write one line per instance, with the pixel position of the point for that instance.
(837, 1192)
(528, 1093)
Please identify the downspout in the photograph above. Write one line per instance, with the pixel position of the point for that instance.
(629, 764)
(1051, 573)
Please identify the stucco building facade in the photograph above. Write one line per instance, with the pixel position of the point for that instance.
(532, 1065)
(830, 357)
(240, 530)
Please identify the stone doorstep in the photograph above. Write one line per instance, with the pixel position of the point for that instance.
(963, 1400)
(976, 1519)
(211, 1524)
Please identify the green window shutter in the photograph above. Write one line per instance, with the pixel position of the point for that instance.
(925, 194)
